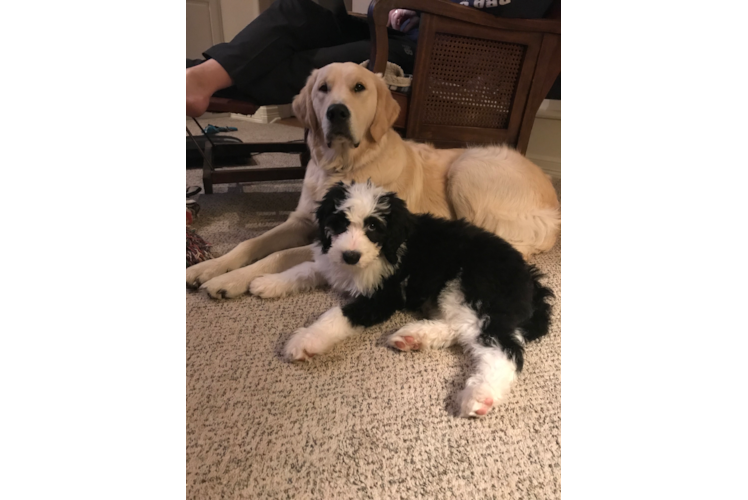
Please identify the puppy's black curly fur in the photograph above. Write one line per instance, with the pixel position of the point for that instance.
(429, 253)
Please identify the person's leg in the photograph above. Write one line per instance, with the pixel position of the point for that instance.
(401, 46)
(402, 51)
(289, 76)
(271, 59)
(285, 28)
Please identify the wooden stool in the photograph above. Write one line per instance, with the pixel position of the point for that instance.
(216, 156)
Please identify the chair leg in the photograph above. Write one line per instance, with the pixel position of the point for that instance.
(207, 154)
(306, 155)
(208, 168)
(304, 158)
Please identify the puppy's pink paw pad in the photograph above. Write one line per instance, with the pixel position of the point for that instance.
(412, 342)
(406, 343)
(474, 404)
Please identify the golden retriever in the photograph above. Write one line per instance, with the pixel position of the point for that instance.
(349, 113)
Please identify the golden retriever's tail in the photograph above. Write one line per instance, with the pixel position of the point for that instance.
(503, 192)
(530, 232)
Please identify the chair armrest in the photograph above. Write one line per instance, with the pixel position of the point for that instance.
(378, 16)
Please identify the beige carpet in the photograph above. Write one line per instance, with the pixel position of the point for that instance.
(361, 422)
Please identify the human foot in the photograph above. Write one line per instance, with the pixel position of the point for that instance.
(202, 81)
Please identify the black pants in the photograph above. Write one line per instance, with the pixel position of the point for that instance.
(270, 60)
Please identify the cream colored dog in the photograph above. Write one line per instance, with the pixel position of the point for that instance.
(349, 113)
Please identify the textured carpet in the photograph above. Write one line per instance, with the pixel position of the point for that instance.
(360, 422)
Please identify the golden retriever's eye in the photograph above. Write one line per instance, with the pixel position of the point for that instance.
(359, 88)
(323, 88)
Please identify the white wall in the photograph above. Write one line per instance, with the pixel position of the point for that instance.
(204, 26)
(239, 13)
(544, 147)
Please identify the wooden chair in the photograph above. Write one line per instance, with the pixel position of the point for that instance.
(478, 78)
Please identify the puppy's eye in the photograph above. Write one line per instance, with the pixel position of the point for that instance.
(359, 88)
(371, 227)
(323, 88)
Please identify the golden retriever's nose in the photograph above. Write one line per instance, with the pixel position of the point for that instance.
(338, 113)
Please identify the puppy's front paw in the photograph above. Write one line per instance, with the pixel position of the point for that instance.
(303, 346)
(475, 401)
(269, 286)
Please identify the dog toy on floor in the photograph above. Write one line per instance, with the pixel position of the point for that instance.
(198, 249)
(213, 129)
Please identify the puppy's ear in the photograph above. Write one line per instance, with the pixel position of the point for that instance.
(326, 208)
(302, 105)
(387, 110)
(400, 224)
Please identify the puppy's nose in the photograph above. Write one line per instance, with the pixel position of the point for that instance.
(351, 257)
(338, 113)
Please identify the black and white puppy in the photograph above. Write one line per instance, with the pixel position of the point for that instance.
(476, 288)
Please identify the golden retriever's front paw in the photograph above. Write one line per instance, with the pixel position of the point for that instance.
(229, 285)
(269, 286)
(205, 271)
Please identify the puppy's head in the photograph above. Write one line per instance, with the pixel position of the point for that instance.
(346, 104)
(361, 225)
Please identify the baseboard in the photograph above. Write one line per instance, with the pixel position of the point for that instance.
(267, 114)
(549, 109)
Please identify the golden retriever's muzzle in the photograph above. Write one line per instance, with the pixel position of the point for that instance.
(339, 120)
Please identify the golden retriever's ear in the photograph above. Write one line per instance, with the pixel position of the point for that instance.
(387, 110)
(302, 105)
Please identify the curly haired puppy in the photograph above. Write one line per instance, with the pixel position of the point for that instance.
(476, 289)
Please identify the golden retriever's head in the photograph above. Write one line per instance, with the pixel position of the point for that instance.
(346, 104)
